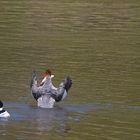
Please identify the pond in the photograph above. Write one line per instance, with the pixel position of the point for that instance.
(96, 43)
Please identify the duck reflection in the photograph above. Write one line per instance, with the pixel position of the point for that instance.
(51, 118)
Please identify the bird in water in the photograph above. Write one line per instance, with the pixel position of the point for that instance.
(46, 94)
(3, 113)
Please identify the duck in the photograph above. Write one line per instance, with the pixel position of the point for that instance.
(47, 94)
(3, 113)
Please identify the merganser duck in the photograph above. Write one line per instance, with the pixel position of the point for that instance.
(3, 113)
(46, 95)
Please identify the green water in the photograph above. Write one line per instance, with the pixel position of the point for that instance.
(96, 42)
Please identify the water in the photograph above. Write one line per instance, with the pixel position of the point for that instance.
(96, 43)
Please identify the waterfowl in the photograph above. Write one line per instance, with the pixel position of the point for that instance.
(46, 95)
(3, 113)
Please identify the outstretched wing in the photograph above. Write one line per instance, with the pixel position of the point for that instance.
(33, 86)
(38, 91)
(62, 90)
(33, 79)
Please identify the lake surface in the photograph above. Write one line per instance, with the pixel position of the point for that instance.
(97, 43)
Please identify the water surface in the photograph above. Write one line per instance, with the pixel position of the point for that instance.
(96, 43)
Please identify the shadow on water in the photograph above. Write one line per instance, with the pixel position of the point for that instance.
(22, 111)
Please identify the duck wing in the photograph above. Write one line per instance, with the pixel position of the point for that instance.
(38, 91)
(61, 92)
(35, 90)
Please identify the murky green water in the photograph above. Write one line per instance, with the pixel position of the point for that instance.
(97, 43)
